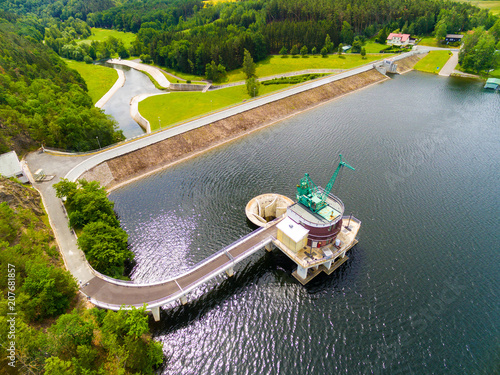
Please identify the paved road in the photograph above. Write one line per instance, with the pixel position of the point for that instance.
(152, 138)
(112, 295)
(151, 70)
(58, 166)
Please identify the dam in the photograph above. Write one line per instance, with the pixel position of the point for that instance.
(418, 291)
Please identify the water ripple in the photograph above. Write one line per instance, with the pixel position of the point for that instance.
(419, 293)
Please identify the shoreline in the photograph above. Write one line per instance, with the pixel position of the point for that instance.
(132, 166)
(228, 140)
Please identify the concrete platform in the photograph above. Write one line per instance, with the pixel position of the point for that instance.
(325, 259)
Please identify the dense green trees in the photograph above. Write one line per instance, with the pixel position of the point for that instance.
(42, 290)
(84, 341)
(248, 64)
(105, 247)
(252, 86)
(102, 239)
(478, 51)
(215, 73)
(44, 102)
(187, 35)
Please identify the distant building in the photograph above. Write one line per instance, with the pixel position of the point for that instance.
(452, 38)
(11, 167)
(399, 39)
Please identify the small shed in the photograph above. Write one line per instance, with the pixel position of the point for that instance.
(492, 83)
(292, 235)
(452, 38)
(11, 167)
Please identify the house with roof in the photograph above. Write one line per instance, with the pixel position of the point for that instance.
(453, 38)
(11, 167)
(399, 39)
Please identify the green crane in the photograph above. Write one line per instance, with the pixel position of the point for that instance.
(311, 196)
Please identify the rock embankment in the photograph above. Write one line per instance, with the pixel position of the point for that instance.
(405, 65)
(18, 196)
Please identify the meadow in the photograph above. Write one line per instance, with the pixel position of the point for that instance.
(433, 62)
(175, 107)
(99, 79)
(493, 6)
(101, 35)
(275, 64)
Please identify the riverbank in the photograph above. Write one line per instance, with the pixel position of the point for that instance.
(126, 168)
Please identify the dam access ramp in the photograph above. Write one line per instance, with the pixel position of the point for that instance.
(110, 293)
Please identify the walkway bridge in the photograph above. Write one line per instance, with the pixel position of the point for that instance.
(111, 294)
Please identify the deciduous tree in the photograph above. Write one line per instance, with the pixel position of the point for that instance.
(252, 87)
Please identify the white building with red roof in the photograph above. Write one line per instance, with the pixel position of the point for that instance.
(399, 39)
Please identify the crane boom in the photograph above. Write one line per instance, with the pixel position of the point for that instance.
(311, 196)
(334, 177)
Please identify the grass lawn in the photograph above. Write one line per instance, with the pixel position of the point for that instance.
(373, 47)
(277, 65)
(184, 76)
(493, 6)
(175, 107)
(102, 34)
(431, 41)
(494, 74)
(433, 62)
(99, 79)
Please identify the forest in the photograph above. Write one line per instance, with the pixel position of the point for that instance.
(43, 102)
(35, 85)
(188, 35)
(191, 37)
(54, 332)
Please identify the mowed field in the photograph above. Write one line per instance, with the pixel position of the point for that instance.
(175, 107)
(101, 35)
(493, 6)
(99, 79)
(433, 62)
(275, 65)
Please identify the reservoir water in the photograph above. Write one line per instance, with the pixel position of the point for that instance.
(419, 294)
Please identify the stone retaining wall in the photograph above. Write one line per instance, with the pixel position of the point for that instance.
(171, 150)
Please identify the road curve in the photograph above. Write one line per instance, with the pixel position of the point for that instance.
(110, 293)
(151, 70)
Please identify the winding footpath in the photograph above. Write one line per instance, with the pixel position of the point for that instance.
(102, 290)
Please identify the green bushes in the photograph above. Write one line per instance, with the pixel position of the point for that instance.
(41, 289)
(101, 238)
(36, 287)
(105, 246)
(42, 101)
(395, 49)
(293, 79)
